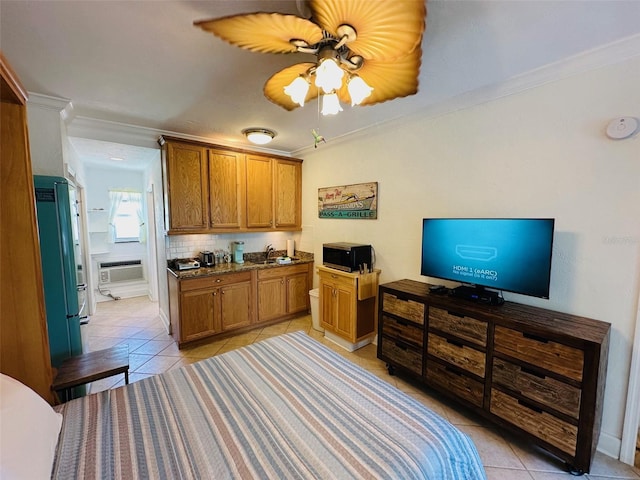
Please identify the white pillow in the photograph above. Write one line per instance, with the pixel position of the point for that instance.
(29, 429)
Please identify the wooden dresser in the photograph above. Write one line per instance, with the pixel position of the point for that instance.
(536, 372)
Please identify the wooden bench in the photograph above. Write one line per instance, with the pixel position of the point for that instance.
(92, 366)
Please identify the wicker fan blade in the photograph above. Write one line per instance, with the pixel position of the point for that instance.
(384, 29)
(274, 87)
(389, 79)
(263, 32)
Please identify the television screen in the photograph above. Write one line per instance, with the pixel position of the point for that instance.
(510, 254)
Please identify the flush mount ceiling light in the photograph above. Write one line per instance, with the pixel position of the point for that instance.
(366, 52)
(259, 136)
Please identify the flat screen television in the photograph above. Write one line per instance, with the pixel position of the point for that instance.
(506, 254)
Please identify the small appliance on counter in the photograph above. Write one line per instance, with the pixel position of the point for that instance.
(207, 259)
(348, 257)
(186, 263)
(238, 252)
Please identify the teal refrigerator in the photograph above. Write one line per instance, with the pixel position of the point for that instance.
(59, 267)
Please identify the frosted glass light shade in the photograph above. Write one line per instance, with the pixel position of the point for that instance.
(298, 90)
(330, 104)
(358, 90)
(329, 75)
(259, 136)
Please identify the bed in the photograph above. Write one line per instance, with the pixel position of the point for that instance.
(286, 407)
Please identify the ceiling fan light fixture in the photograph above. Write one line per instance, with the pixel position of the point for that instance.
(259, 136)
(358, 90)
(328, 74)
(330, 104)
(298, 90)
(385, 50)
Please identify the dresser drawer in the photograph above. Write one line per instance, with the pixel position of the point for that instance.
(546, 390)
(338, 279)
(543, 425)
(408, 309)
(462, 356)
(455, 383)
(402, 331)
(401, 355)
(552, 356)
(468, 328)
(214, 281)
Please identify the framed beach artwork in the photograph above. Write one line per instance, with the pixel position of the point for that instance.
(359, 201)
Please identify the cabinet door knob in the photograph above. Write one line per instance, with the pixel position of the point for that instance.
(218, 280)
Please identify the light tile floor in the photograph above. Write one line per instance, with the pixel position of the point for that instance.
(136, 322)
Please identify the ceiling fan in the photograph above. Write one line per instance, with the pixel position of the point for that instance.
(367, 51)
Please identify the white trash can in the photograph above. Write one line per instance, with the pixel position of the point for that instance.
(314, 299)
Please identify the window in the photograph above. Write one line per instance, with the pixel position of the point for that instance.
(125, 216)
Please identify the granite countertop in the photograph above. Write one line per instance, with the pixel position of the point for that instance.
(252, 261)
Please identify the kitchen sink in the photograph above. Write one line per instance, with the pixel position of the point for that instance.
(273, 260)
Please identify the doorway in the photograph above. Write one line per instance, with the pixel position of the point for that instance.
(152, 269)
(630, 445)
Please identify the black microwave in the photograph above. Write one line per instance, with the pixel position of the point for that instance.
(348, 257)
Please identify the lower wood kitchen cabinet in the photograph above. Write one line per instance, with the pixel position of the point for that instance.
(283, 291)
(206, 306)
(535, 372)
(348, 303)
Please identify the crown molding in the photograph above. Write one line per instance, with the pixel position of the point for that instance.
(46, 101)
(115, 132)
(128, 134)
(61, 105)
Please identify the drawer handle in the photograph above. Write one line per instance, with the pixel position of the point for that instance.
(531, 372)
(453, 342)
(400, 322)
(218, 280)
(530, 336)
(454, 314)
(401, 347)
(530, 407)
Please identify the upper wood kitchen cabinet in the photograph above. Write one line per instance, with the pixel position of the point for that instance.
(226, 171)
(274, 193)
(213, 189)
(259, 178)
(186, 187)
(287, 193)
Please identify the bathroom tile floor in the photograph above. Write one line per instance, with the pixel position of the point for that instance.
(136, 322)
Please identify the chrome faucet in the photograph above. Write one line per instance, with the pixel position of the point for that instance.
(267, 251)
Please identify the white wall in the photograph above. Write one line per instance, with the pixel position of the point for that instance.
(539, 153)
(45, 134)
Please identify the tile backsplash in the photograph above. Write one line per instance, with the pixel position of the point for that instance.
(187, 246)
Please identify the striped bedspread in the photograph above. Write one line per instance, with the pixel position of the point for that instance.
(287, 407)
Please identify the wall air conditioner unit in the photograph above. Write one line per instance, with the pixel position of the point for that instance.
(117, 272)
